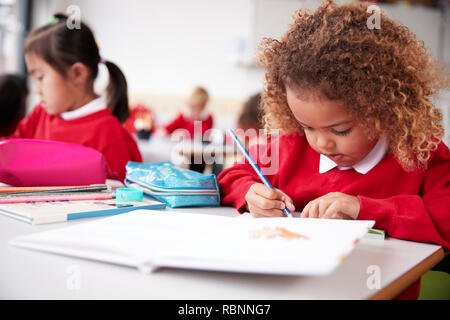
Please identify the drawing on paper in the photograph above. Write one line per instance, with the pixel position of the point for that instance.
(271, 233)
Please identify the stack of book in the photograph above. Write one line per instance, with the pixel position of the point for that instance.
(38, 205)
(40, 194)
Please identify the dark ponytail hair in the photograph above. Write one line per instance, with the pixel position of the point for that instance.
(61, 47)
(117, 92)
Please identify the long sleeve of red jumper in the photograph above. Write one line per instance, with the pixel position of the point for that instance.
(424, 216)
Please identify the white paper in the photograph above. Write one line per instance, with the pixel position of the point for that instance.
(148, 239)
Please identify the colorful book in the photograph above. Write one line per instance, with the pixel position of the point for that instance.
(45, 197)
(59, 211)
(57, 189)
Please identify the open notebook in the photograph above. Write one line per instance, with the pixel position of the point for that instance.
(149, 240)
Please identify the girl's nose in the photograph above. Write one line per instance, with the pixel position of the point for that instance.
(37, 90)
(324, 142)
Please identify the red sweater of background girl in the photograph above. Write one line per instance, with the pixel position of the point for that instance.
(181, 122)
(99, 130)
(407, 205)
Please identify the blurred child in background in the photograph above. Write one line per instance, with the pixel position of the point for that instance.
(141, 122)
(250, 121)
(250, 117)
(249, 124)
(194, 114)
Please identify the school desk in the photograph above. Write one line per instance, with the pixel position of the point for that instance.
(26, 274)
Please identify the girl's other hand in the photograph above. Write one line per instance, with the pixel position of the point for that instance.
(334, 205)
(265, 202)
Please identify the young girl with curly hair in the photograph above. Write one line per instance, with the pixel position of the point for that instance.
(360, 137)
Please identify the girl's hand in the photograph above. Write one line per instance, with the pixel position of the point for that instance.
(265, 202)
(334, 205)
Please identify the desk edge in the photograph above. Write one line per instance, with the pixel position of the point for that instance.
(398, 285)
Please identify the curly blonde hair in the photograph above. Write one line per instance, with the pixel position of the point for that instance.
(385, 77)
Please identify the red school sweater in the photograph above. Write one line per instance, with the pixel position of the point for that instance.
(407, 205)
(99, 130)
(181, 122)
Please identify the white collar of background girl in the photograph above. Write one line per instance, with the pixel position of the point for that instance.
(91, 107)
(365, 165)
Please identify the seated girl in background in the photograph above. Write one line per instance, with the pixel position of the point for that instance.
(249, 122)
(250, 117)
(140, 122)
(13, 96)
(360, 138)
(64, 64)
(193, 114)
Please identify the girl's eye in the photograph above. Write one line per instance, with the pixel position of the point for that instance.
(306, 128)
(342, 133)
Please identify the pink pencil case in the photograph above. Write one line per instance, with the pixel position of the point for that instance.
(29, 162)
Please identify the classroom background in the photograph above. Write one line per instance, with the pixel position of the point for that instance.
(167, 47)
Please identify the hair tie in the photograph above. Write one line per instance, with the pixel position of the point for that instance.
(53, 20)
(103, 61)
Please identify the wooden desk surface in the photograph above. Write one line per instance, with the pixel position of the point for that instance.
(26, 274)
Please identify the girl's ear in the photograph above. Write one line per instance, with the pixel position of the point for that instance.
(79, 74)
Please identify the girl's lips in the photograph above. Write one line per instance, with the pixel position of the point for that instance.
(334, 157)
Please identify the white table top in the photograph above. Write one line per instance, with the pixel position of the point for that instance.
(26, 274)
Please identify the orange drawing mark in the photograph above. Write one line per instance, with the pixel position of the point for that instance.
(271, 233)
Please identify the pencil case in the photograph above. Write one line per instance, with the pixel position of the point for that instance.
(30, 162)
(174, 186)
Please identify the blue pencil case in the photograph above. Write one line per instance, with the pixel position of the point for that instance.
(174, 186)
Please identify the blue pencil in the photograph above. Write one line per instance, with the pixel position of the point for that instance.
(254, 165)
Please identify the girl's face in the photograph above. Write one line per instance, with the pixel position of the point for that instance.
(56, 91)
(329, 128)
(195, 110)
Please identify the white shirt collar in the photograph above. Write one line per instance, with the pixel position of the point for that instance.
(91, 107)
(365, 165)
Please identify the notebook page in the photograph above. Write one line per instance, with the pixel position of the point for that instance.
(131, 239)
(270, 245)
